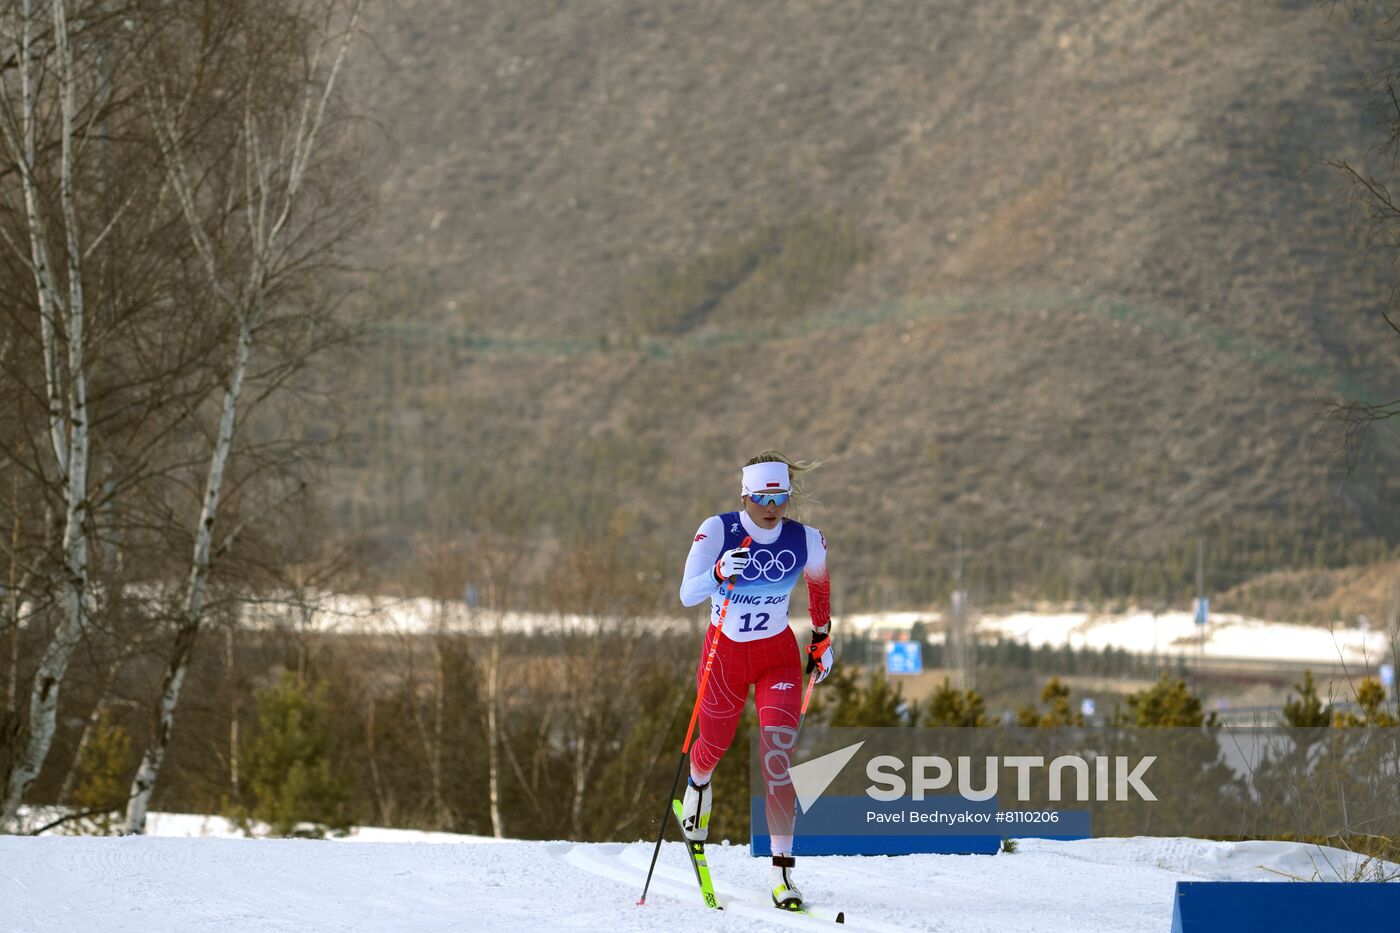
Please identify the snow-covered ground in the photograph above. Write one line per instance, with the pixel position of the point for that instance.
(1136, 631)
(176, 882)
(196, 826)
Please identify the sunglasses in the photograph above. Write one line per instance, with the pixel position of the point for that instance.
(768, 498)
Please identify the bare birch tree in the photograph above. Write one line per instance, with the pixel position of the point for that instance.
(444, 569)
(256, 232)
(491, 560)
(62, 314)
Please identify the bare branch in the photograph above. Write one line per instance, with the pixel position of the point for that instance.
(111, 224)
(307, 139)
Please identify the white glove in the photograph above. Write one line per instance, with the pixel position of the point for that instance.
(731, 562)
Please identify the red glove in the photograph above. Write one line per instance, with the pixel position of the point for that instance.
(820, 655)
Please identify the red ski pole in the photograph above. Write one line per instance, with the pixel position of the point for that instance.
(807, 698)
(713, 643)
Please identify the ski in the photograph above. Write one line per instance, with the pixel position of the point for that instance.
(840, 916)
(696, 850)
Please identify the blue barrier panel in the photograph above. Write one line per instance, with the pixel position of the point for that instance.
(761, 846)
(1282, 907)
(835, 826)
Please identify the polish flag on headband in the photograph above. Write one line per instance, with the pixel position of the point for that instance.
(765, 477)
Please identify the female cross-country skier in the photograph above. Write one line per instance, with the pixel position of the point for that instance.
(756, 648)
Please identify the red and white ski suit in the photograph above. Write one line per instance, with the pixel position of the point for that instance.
(756, 647)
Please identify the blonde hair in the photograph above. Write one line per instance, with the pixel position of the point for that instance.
(796, 469)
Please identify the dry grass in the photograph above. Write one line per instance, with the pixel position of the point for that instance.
(1065, 277)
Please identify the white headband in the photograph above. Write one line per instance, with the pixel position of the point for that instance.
(765, 477)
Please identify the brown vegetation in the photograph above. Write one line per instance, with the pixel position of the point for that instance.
(1071, 279)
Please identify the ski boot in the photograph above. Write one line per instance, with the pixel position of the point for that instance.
(785, 893)
(695, 810)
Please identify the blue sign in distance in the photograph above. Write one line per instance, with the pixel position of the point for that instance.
(1203, 610)
(904, 657)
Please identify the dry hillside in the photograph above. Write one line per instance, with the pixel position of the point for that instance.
(1067, 277)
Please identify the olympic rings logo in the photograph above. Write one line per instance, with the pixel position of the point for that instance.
(769, 566)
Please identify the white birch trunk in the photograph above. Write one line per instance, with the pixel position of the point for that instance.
(67, 395)
(263, 186)
(493, 756)
(440, 815)
(235, 711)
(12, 607)
(580, 785)
(386, 809)
(145, 781)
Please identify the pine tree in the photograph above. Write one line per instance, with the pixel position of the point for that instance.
(846, 703)
(1166, 703)
(1370, 696)
(105, 763)
(291, 777)
(1307, 711)
(951, 707)
(1055, 696)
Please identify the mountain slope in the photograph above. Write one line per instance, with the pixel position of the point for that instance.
(1069, 278)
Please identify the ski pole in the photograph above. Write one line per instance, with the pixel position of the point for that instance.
(807, 698)
(713, 643)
